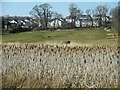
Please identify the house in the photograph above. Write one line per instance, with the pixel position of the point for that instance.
(68, 19)
(66, 25)
(13, 22)
(83, 21)
(100, 20)
(95, 23)
(86, 20)
(78, 23)
(57, 23)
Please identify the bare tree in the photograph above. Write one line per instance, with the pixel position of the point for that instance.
(115, 13)
(57, 15)
(79, 14)
(75, 14)
(101, 11)
(42, 13)
(90, 12)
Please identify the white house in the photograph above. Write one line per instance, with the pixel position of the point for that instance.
(95, 23)
(56, 23)
(78, 23)
(13, 22)
(68, 20)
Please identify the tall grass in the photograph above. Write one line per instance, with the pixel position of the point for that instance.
(53, 66)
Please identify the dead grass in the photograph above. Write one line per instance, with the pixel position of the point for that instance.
(56, 66)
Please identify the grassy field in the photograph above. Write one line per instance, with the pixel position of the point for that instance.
(95, 37)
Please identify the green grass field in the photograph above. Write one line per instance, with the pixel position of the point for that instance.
(95, 37)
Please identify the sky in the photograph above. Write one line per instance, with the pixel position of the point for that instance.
(59, 0)
(23, 8)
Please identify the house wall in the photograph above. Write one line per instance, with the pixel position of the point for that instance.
(77, 23)
(56, 23)
(95, 23)
(36, 65)
(86, 23)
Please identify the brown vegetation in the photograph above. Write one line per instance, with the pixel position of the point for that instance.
(52, 66)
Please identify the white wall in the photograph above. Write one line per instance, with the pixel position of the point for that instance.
(57, 23)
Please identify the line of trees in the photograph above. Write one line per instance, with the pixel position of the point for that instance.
(43, 14)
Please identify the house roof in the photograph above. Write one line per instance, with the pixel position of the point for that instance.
(13, 21)
(61, 19)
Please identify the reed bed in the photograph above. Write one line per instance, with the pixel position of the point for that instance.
(59, 66)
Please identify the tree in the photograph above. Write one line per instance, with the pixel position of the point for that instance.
(56, 17)
(101, 12)
(75, 14)
(42, 13)
(115, 13)
(90, 13)
(79, 14)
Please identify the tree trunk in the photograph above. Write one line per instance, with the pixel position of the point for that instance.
(100, 21)
(105, 21)
(81, 23)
